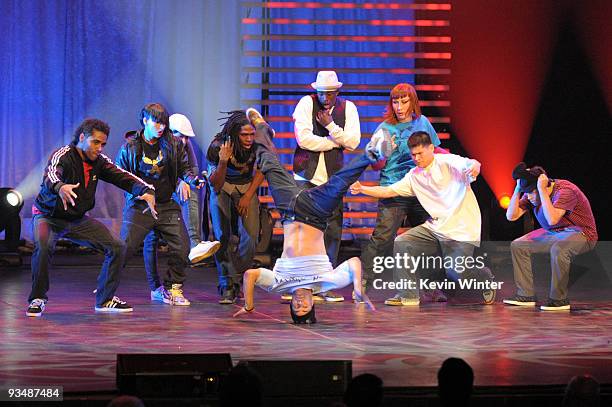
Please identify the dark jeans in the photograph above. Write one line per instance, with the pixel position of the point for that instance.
(333, 231)
(391, 214)
(170, 227)
(190, 209)
(85, 232)
(313, 206)
(223, 211)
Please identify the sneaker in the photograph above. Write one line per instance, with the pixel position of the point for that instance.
(488, 296)
(556, 305)
(162, 295)
(36, 308)
(254, 116)
(262, 137)
(521, 301)
(115, 305)
(228, 297)
(434, 295)
(330, 296)
(286, 297)
(176, 292)
(399, 301)
(203, 250)
(380, 146)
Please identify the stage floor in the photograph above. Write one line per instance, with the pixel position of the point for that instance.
(73, 346)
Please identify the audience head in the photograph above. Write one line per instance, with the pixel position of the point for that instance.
(455, 382)
(582, 391)
(365, 390)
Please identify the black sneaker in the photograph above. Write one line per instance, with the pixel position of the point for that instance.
(488, 296)
(115, 305)
(556, 305)
(36, 308)
(228, 296)
(521, 301)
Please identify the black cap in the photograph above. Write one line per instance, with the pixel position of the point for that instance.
(527, 177)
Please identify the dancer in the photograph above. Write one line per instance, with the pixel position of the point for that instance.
(441, 183)
(304, 268)
(156, 156)
(568, 229)
(66, 194)
(234, 200)
(402, 117)
(325, 125)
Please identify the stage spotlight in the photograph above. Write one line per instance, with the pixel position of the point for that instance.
(504, 201)
(11, 202)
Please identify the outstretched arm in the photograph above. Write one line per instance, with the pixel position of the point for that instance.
(376, 191)
(248, 285)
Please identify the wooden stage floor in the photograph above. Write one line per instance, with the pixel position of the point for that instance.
(73, 346)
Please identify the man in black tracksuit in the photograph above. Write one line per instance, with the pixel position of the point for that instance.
(153, 154)
(67, 192)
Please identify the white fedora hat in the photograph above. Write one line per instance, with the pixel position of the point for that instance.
(326, 81)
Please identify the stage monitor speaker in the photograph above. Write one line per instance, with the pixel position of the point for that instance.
(171, 375)
(283, 378)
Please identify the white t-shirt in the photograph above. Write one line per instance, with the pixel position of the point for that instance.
(444, 191)
(347, 137)
(313, 272)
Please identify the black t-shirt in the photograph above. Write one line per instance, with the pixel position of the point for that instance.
(153, 169)
(238, 172)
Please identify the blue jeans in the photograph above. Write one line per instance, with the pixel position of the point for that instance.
(85, 232)
(190, 209)
(224, 214)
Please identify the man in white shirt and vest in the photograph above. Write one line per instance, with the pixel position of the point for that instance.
(325, 125)
(441, 183)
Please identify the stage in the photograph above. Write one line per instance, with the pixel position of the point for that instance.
(72, 346)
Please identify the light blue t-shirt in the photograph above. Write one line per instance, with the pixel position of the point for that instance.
(400, 161)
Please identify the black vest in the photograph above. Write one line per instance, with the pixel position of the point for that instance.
(305, 161)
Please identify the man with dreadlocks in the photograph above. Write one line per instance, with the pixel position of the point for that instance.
(233, 200)
(304, 269)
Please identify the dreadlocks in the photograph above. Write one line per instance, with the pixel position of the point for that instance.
(231, 131)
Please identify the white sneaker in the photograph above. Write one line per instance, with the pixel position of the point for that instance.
(380, 145)
(203, 250)
(177, 295)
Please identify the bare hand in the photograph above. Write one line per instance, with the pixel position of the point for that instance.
(474, 170)
(543, 182)
(356, 188)
(362, 297)
(324, 117)
(226, 151)
(243, 205)
(240, 312)
(67, 194)
(183, 190)
(149, 198)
